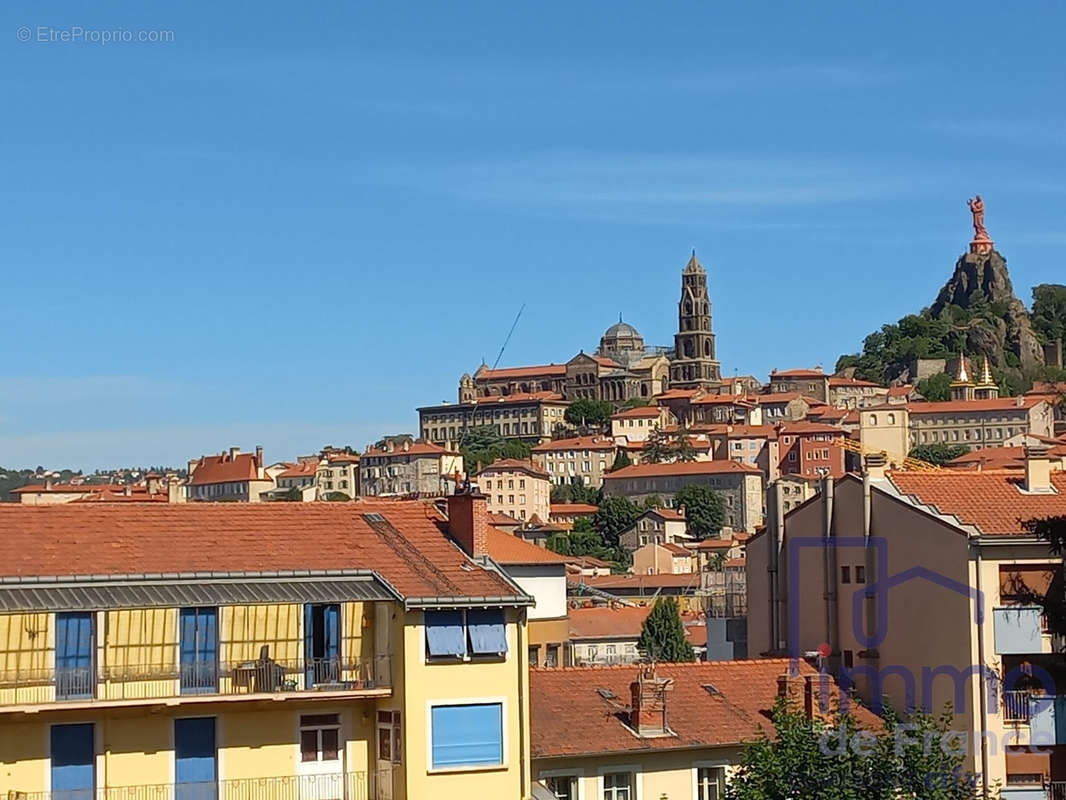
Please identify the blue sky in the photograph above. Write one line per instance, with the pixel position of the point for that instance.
(293, 224)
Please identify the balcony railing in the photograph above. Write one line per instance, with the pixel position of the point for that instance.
(1016, 706)
(150, 681)
(339, 786)
(1056, 790)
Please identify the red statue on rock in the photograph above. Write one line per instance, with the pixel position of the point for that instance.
(982, 242)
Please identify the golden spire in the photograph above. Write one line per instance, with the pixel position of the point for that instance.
(986, 373)
(962, 376)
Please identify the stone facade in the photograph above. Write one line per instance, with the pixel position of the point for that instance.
(533, 417)
(410, 468)
(694, 364)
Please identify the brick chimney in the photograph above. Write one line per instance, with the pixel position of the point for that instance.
(233, 453)
(259, 456)
(1037, 468)
(648, 707)
(152, 483)
(468, 521)
(788, 687)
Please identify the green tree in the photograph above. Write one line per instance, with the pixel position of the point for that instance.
(1049, 311)
(939, 453)
(803, 758)
(621, 461)
(662, 638)
(635, 402)
(583, 525)
(484, 444)
(681, 446)
(589, 412)
(1053, 531)
(652, 501)
(704, 509)
(717, 562)
(337, 497)
(657, 448)
(935, 387)
(615, 514)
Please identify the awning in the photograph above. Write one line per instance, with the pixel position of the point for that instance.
(101, 594)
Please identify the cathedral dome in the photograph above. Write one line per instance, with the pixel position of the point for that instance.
(621, 330)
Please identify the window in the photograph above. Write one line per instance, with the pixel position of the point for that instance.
(198, 631)
(466, 735)
(320, 737)
(73, 771)
(849, 659)
(534, 655)
(860, 574)
(618, 786)
(390, 746)
(460, 634)
(564, 787)
(195, 759)
(710, 783)
(845, 574)
(552, 658)
(75, 639)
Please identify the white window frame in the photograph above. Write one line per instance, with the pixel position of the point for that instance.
(638, 784)
(710, 764)
(468, 701)
(577, 774)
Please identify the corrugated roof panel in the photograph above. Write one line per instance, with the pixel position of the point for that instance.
(170, 594)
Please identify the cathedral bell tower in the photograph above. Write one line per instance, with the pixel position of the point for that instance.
(694, 364)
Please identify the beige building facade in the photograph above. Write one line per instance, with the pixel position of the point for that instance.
(587, 458)
(516, 488)
(532, 417)
(417, 469)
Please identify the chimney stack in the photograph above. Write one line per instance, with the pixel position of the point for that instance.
(233, 453)
(152, 483)
(468, 521)
(1037, 468)
(259, 456)
(648, 695)
(808, 696)
(875, 465)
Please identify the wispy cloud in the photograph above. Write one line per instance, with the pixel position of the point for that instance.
(643, 186)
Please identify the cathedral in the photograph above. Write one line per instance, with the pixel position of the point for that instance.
(623, 367)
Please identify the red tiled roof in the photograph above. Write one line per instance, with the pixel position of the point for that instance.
(417, 558)
(677, 394)
(570, 716)
(682, 468)
(577, 443)
(604, 361)
(735, 563)
(739, 431)
(589, 561)
(640, 412)
(505, 548)
(605, 622)
(555, 370)
(223, 469)
(137, 494)
(803, 427)
(994, 404)
(304, 469)
(726, 400)
(900, 391)
(991, 500)
(624, 583)
(565, 509)
(513, 465)
(504, 520)
(783, 398)
(676, 549)
(714, 544)
(671, 514)
(68, 488)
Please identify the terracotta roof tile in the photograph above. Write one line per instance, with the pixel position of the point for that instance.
(513, 465)
(994, 404)
(554, 370)
(413, 449)
(992, 500)
(577, 443)
(564, 509)
(570, 716)
(682, 468)
(223, 469)
(640, 412)
(418, 559)
(805, 372)
(507, 549)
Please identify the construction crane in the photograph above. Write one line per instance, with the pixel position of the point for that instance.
(913, 464)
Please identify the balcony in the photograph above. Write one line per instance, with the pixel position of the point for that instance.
(195, 681)
(1019, 630)
(1056, 790)
(1047, 719)
(341, 786)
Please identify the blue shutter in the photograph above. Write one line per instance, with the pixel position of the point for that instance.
(74, 655)
(470, 735)
(73, 773)
(445, 633)
(199, 650)
(487, 633)
(195, 770)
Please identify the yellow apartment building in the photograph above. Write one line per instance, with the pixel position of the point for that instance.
(333, 651)
(517, 488)
(918, 584)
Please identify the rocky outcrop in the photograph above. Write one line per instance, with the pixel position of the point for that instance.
(996, 321)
